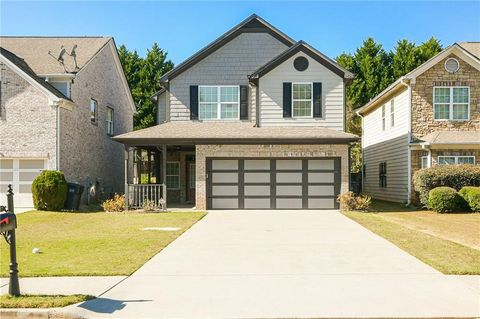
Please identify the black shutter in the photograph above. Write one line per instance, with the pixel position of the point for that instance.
(317, 99)
(194, 102)
(287, 99)
(243, 102)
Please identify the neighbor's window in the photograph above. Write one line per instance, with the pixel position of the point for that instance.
(451, 103)
(425, 163)
(173, 175)
(392, 113)
(302, 102)
(455, 160)
(383, 117)
(109, 121)
(382, 174)
(219, 102)
(93, 111)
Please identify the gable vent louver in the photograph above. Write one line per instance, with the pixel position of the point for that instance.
(452, 65)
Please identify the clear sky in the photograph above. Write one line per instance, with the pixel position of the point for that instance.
(182, 28)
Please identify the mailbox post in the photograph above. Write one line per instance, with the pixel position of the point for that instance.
(8, 223)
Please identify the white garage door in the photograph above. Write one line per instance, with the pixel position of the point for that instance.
(294, 183)
(20, 173)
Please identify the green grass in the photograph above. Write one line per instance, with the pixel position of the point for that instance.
(443, 241)
(87, 244)
(41, 301)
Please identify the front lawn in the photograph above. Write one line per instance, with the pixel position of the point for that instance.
(83, 244)
(448, 242)
(41, 301)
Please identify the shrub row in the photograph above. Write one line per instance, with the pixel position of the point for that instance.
(448, 200)
(454, 176)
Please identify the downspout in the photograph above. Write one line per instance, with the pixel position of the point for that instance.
(409, 137)
(57, 157)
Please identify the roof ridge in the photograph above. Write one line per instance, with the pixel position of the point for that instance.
(57, 36)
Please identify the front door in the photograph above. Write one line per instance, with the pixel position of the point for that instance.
(191, 182)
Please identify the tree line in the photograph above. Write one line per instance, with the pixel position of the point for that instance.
(374, 68)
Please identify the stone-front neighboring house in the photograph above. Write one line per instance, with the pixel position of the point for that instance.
(255, 120)
(431, 116)
(62, 100)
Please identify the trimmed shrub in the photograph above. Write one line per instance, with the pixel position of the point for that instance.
(49, 190)
(454, 176)
(115, 204)
(446, 200)
(472, 197)
(350, 201)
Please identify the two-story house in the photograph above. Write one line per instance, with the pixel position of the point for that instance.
(255, 120)
(62, 100)
(431, 116)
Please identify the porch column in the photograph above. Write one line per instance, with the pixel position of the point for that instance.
(126, 158)
(164, 172)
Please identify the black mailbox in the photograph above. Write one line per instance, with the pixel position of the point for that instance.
(8, 221)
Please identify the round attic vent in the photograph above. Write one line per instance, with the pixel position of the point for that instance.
(452, 65)
(300, 63)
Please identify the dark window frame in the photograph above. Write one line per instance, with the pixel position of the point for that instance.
(382, 174)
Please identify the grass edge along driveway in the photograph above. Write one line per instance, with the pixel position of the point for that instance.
(41, 301)
(445, 255)
(91, 244)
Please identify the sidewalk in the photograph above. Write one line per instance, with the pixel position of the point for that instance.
(94, 286)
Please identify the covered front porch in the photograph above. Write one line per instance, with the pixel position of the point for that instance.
(162, 175)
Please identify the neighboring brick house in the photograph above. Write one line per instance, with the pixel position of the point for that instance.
(62, 99)
(428, 117)
(254, 120)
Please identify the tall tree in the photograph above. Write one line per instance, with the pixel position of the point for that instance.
(143, 75)
(404, 58)
(427, 50)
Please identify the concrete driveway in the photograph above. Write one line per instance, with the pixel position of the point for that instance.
(283, 264)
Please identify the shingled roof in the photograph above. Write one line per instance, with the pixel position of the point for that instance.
(451, 137)
(35, 51)
(210, 132)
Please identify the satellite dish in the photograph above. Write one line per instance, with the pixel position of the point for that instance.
(61, 54)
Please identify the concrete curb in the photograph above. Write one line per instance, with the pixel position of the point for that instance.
(30, 313)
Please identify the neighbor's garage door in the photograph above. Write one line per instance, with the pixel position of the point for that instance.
(20, 173)
(295, 183)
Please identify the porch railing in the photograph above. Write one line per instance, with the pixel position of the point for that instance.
(138, 194)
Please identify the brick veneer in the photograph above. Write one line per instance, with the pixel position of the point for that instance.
(204, 151)
(422, 98)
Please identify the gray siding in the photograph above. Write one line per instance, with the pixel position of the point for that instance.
(395, 153)
(162, 108)
(229, 65)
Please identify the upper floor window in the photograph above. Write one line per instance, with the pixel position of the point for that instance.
(109, 121)
(302, 102)
(219, 102)
(93, 111)
(383, 117)
(392, 113)
(451, 103)
(455, 160)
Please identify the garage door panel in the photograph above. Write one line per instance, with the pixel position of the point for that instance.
(257, 190)
(289, 165)
(6, 176)
(225, 164)
(257, 177)
(290, 203)
(31, 164)
(27, 176)
(225, 190)
(321, 203)
(6, 164)
(25, 188)
(257, 203)
(289, 177)
(321, 190)
(321, 164)
(225, 177)
(225, 203)
(321, 177)
(292, 190)
(257, 165)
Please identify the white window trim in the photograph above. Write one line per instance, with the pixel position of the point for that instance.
(219, 103)
(90, 111)
(456, 158)
(384, 117)
(392, 113)
(428, 162)
(445, 65)
(311, 101)
(450, 107)
(109, 108)
(178, 176)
